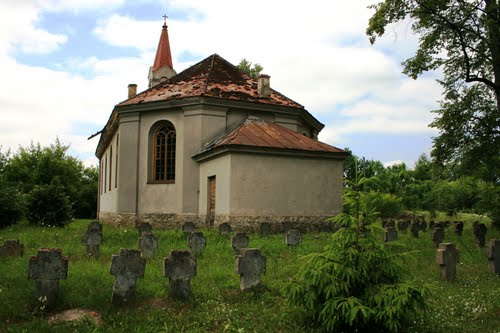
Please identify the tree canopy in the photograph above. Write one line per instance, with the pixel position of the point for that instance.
(462, 37)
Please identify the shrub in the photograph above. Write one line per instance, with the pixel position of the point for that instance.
(356, 284)
(11, 204)
(387, 205)
(48, 205)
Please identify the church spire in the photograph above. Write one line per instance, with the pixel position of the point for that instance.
(162, 68)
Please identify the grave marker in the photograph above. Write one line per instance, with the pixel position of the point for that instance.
(47, 268)
(92, 239)
(447, 258)
(188, 228)
(12, 248)
(494, 256)
(197, 242)
(148, 244)
(415, 228)
(250, 265)
(459, 228)
(293, 237)
(144, 228)
(239, 241)
(127, 267)
(437, 236)
(265, 228)
(390, 234)
(179, 267)
(225, 228)
(403, 225)
(480, 233)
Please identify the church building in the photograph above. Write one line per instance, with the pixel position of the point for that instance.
(211, 145)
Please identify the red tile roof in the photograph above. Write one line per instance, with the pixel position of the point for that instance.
(213, 77)
(256, 132)
(163, 53)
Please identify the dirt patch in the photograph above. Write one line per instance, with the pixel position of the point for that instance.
(75, 315)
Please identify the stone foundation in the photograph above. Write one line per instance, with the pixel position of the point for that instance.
(238, 223)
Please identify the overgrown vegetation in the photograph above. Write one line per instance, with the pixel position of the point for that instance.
(428, 186)
(356, 284)
(468, 305)
(52, 185)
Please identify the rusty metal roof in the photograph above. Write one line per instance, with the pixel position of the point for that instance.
(256, 132)
(214, 77)
(163, 53)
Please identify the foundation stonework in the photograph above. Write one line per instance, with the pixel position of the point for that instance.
(238, 223)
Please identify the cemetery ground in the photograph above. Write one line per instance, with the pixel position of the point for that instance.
(470, 304)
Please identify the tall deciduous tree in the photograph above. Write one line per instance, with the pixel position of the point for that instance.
(463, 38)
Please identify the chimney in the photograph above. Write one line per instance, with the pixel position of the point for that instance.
(132, 90)
(263, 87)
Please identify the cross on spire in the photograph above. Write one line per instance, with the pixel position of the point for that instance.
(165, 19)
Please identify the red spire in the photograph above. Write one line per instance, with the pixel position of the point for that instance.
(163, 54)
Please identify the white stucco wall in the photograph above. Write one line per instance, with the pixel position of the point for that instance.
(220, 168)
(160, 198)
(285, 186)
(107, 196)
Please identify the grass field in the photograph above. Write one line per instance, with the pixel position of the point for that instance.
(471, 304)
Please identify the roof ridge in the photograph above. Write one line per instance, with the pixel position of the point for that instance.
(210, 70)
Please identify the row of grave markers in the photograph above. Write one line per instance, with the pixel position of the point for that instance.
(437, 234)
(148, 243)
(49, 266)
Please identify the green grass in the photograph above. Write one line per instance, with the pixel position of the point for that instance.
(471, 304)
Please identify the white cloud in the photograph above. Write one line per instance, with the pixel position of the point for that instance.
(316, 54)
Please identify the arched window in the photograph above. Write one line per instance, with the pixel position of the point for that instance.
(163, 140)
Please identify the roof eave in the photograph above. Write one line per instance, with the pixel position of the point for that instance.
(231, 148)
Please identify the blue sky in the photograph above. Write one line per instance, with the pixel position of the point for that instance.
(65, 64)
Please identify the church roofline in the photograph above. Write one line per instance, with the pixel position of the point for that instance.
(227, 149)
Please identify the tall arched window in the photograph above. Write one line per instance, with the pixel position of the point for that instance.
(164, 154)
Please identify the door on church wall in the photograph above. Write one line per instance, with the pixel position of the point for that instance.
(211, 200)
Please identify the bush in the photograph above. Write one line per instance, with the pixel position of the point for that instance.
(48, 205)
(11, 205)
(356, 284)
(387, 205)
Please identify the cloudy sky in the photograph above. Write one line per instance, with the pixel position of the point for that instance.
(66, 63)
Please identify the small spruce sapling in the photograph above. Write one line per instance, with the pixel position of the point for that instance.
(356, 284)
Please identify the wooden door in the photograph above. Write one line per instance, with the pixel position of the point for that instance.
(211, 199)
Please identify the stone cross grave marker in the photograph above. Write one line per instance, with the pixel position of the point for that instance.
(239, 241)
(144, 228)
(12, 248)
(95, 225)
(286, 225)
(265, 228)
(423, 226)
(92, 239)
(148, 243)
(197, 242)
(437, 236)
(432, 224)
(494, 256)
(403, 225)
(447, 258)
(127, 267)
(179, 267)
(250, 265)
(390, 234)
(47, 268)
(480, 233)
(188, 228)
(293, 237)
(415, 228)
(459, 228)
(225, 228)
